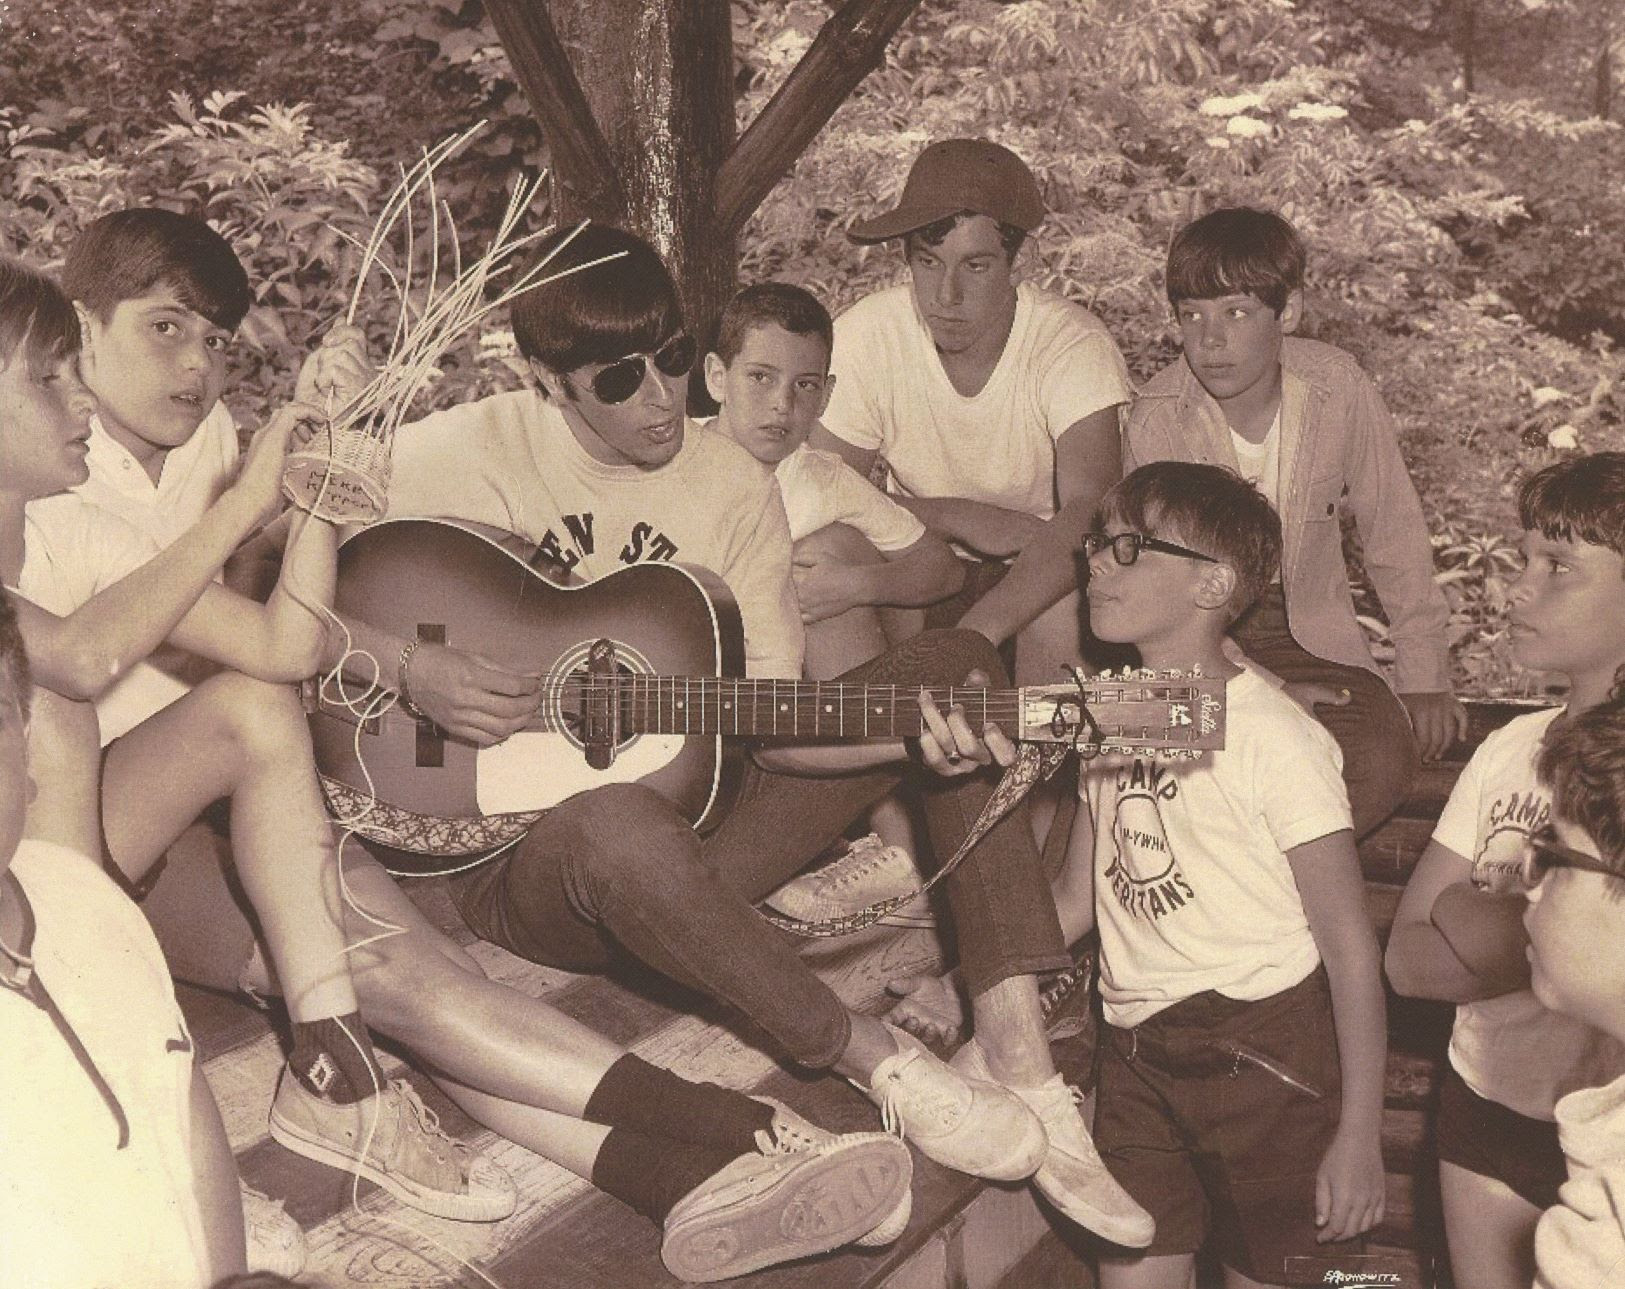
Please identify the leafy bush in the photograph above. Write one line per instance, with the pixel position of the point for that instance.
(1469, 251)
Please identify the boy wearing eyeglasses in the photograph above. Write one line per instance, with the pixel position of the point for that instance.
(1303, 422)
(1458, 934)
(1241, 1063)
(1576, 923)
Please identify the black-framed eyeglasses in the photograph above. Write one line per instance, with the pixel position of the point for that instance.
(1545, 853)
(618, 381)
(1126, 547)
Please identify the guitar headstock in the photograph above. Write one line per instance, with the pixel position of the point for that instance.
(1172, 715)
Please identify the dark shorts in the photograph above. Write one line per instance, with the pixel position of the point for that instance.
(1488, 1138)
(1215, 1114)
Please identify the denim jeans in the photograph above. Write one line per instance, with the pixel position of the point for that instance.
(1380, 756)
(618, 869)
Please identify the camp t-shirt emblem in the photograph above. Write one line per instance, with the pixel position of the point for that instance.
(1144, 873)
(563, 551)
(1512, 816)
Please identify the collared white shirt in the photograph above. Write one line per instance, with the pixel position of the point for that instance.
(194, 474)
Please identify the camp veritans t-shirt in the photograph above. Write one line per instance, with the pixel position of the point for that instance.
(1193, 889)
(1511, 1049)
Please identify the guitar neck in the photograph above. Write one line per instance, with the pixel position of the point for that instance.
(795, 709)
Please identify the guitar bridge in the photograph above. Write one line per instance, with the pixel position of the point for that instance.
(600, 706)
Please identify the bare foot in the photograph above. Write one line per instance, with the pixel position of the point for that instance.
(932, 1008)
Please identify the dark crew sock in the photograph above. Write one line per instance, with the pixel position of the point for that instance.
(650, 1175)
(647, 1099)
(330, 1064)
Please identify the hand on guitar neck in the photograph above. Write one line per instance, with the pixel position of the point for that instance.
(950, 747)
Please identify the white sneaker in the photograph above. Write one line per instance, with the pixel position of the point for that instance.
(792, 1202)
(276, 1243)
(967, 1124)
(1073, 1176)
(869, 872)
(792, 1132)
(409, 1156)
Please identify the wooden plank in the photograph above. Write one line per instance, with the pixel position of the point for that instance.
(1389, 852)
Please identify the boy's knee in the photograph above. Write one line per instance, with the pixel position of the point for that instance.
(261, 717)
(840, 543)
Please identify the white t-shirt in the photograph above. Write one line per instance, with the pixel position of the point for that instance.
(193, 476)
(1193, 889)
(73, 550)
(998, 446)
(820, 489)
(1261, 462)
(1580, 1243)
(1511, 1049)
(77, 1209)
(511, 463)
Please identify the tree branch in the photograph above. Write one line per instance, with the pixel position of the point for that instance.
(848, 47)
(581, 158)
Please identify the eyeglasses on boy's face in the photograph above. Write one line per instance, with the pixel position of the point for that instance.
(1126, 547)
(618, 381)
(1545, 853)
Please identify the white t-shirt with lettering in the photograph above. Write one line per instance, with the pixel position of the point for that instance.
(1193, 888)
(1512, 1049)
(510, 462)
(1059, 365)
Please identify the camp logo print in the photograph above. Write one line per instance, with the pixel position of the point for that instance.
(1144, 874)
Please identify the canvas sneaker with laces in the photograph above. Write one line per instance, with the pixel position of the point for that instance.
(793, 1200)
(276, 1243)
(967, 1124)
(408, 1154)
(1073, 1177)
(790, 1131)
(869, 872)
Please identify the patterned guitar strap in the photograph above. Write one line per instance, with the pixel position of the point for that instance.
(1034, 761)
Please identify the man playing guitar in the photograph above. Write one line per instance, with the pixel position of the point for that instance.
(598, 469)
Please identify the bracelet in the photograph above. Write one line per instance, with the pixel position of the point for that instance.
(402, 688)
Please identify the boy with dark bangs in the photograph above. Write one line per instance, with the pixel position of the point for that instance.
(598, 469)
(1459, 935)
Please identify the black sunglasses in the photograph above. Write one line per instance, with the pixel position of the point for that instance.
(618, 381)
(1126, 547)
(1545, 853)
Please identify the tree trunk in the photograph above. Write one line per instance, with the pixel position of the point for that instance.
(658, 76)
(1602, 102)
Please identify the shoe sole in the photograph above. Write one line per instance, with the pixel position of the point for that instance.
(829, 1200)
(459, 1208)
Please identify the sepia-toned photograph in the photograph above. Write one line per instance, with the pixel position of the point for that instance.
(813, 644)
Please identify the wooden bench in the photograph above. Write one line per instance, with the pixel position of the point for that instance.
(964, 1234)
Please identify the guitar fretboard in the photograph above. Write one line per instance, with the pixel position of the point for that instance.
(783, 708)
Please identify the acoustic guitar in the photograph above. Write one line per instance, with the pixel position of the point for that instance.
(641, 685)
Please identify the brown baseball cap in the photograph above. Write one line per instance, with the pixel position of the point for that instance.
(956, 175)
